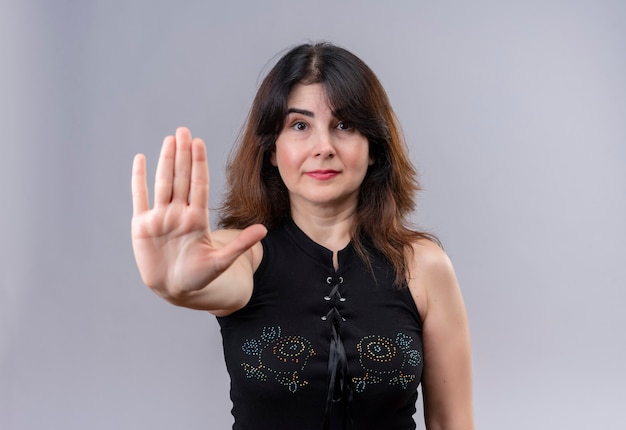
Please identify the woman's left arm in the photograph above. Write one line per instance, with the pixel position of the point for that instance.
(447, 375)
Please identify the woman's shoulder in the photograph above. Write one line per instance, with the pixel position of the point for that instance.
(429, 257)
(430, 274)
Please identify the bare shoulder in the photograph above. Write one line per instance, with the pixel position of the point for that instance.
(431, 275)
(430, 256)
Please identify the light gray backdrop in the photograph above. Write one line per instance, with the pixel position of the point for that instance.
(515, 113)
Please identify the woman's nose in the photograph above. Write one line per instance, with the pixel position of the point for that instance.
(323, 146)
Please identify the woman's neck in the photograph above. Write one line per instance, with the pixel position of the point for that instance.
(332, 230)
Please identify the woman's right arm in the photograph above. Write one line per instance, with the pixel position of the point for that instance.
(177, 256)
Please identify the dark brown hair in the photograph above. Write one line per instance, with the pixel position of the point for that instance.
(255, 192)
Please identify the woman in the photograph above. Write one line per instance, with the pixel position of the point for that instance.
(332, 309)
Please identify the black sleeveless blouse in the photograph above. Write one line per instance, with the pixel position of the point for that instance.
(321, 349)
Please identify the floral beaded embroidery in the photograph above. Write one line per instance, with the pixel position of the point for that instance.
(383, 358)
(280, 356)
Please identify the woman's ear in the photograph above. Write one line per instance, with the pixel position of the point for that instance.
(273, 159)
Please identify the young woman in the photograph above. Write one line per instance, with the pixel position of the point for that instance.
(332, 309)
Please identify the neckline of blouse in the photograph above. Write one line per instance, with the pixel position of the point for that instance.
(318, 252)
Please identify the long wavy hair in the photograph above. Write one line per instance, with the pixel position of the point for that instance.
(255, 192)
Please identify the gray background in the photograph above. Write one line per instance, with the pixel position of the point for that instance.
(515, 113)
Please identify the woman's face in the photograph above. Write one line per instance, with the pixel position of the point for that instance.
(321, 159)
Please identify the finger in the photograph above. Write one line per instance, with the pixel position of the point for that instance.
(139, 186)
(182, 165)
(199, 188)
(248, 237)
(165, 173)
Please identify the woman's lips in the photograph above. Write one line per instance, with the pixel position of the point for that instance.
(322, 175)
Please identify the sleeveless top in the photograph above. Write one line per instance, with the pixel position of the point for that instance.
(320, 349)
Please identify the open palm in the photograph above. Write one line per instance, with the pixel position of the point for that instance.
(172, 243)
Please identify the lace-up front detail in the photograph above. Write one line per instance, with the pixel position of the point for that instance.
(334, 296)
(339, 386)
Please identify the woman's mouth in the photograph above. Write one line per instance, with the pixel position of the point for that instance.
(322, 175)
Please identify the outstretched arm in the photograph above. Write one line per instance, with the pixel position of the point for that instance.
(177, 256)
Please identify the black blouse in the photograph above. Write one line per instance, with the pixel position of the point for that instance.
(320, 349)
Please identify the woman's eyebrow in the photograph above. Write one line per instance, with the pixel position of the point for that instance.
(301, 112)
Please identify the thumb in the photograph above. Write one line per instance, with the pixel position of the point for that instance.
(246, 239)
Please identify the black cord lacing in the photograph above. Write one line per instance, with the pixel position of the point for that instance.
(339, 386)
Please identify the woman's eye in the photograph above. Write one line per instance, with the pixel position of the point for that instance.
(299, 126)
(344, 126)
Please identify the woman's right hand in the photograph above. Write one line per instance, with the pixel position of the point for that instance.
(175, 252)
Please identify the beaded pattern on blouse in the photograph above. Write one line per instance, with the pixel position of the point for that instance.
(384, 358)
(284, 357)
